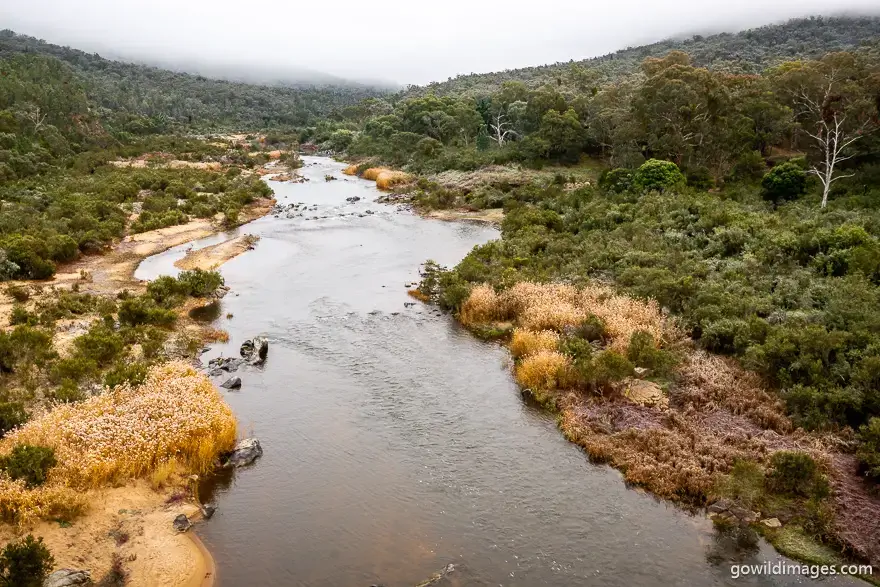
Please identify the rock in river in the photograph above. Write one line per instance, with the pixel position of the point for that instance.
(244, 453)
(232, 383)
(220, 364)
(67, 578)
(255, 351)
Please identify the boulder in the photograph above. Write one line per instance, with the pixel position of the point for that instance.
(208, 510)
(244, 453)
(772, 523)
(223, 364)
(254, 351)
(743, 515)
(722, 505)
(67, 578)
(353, 199)
(181, 523)
(232, 383)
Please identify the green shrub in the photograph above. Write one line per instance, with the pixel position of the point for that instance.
(795, 473)
(869, 451)
(657, 175)
(12, 415)
(30, 463)
(131, 373)
(166, 291)
(143, 310)
(200, 284)
(577, 348)
(21, 316)
(25, 563)
(617, 180)
(74, 369)
(18, 293)
(68, 393)
(643, 352)
(784, 183)
(592, 329)
(25, 344)
(100, 344)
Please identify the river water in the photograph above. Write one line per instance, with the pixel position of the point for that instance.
(395, 443)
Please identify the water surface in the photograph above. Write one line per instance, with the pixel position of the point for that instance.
(395, 443)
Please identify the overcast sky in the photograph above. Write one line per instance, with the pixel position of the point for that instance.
(400, 41)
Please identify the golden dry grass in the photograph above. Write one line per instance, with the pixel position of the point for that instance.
(350, 170)
(539, 306)
(129, 432)
(417, 294)
(215, 335)
(541, 372)
(388, 179)
(482, 306)
(373, 173)
(20, 505)
(524, 343)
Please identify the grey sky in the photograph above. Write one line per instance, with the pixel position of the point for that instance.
(403, 41)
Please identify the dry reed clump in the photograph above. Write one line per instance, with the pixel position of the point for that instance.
(709, 382)
(388, 179)
(482, 306)
(624, 316)
(539, 306)
(215, 335)
(20, 505)
(417, 294)
(129, 432)
(373, 173)
(350, 170)
(541, 373)
(525, 343)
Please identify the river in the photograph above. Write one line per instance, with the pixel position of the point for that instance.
(396, 443)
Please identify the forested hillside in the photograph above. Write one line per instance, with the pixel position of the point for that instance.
(147, 99)
(748, 51)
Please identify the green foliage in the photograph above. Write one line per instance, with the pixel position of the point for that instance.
(796, 473)
(658, 175)
(24, 345)
(143, 310)
(869, 451)
(12, 415)
(617, 180)
(30, 463)
(100, 344)
(200, 284)
(25, 563)
(784, 183)
(644, 352)
(131, 373)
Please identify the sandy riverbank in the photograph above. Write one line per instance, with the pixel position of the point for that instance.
(490, 216)
(131, 524)
(213, 256)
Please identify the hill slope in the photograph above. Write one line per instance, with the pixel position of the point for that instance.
(139, 90)
(749, 51)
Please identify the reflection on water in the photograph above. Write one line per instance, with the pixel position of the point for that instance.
(206, 313)
(395, 443)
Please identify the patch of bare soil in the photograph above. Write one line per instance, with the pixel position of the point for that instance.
(134, 523)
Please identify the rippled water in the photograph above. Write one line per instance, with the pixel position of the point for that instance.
(395, 443)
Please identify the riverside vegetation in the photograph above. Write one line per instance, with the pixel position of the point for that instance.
(688, 271)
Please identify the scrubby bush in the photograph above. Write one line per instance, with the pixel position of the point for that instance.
(25, 563)
(29, 463)
(100, 344)
(143, 310)
(12, 415)
(644, 352)
(617, 180)
(200, 284)
(795, 473)
(784, 183)
(869, 451)
(130, 373)
(658, 175)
